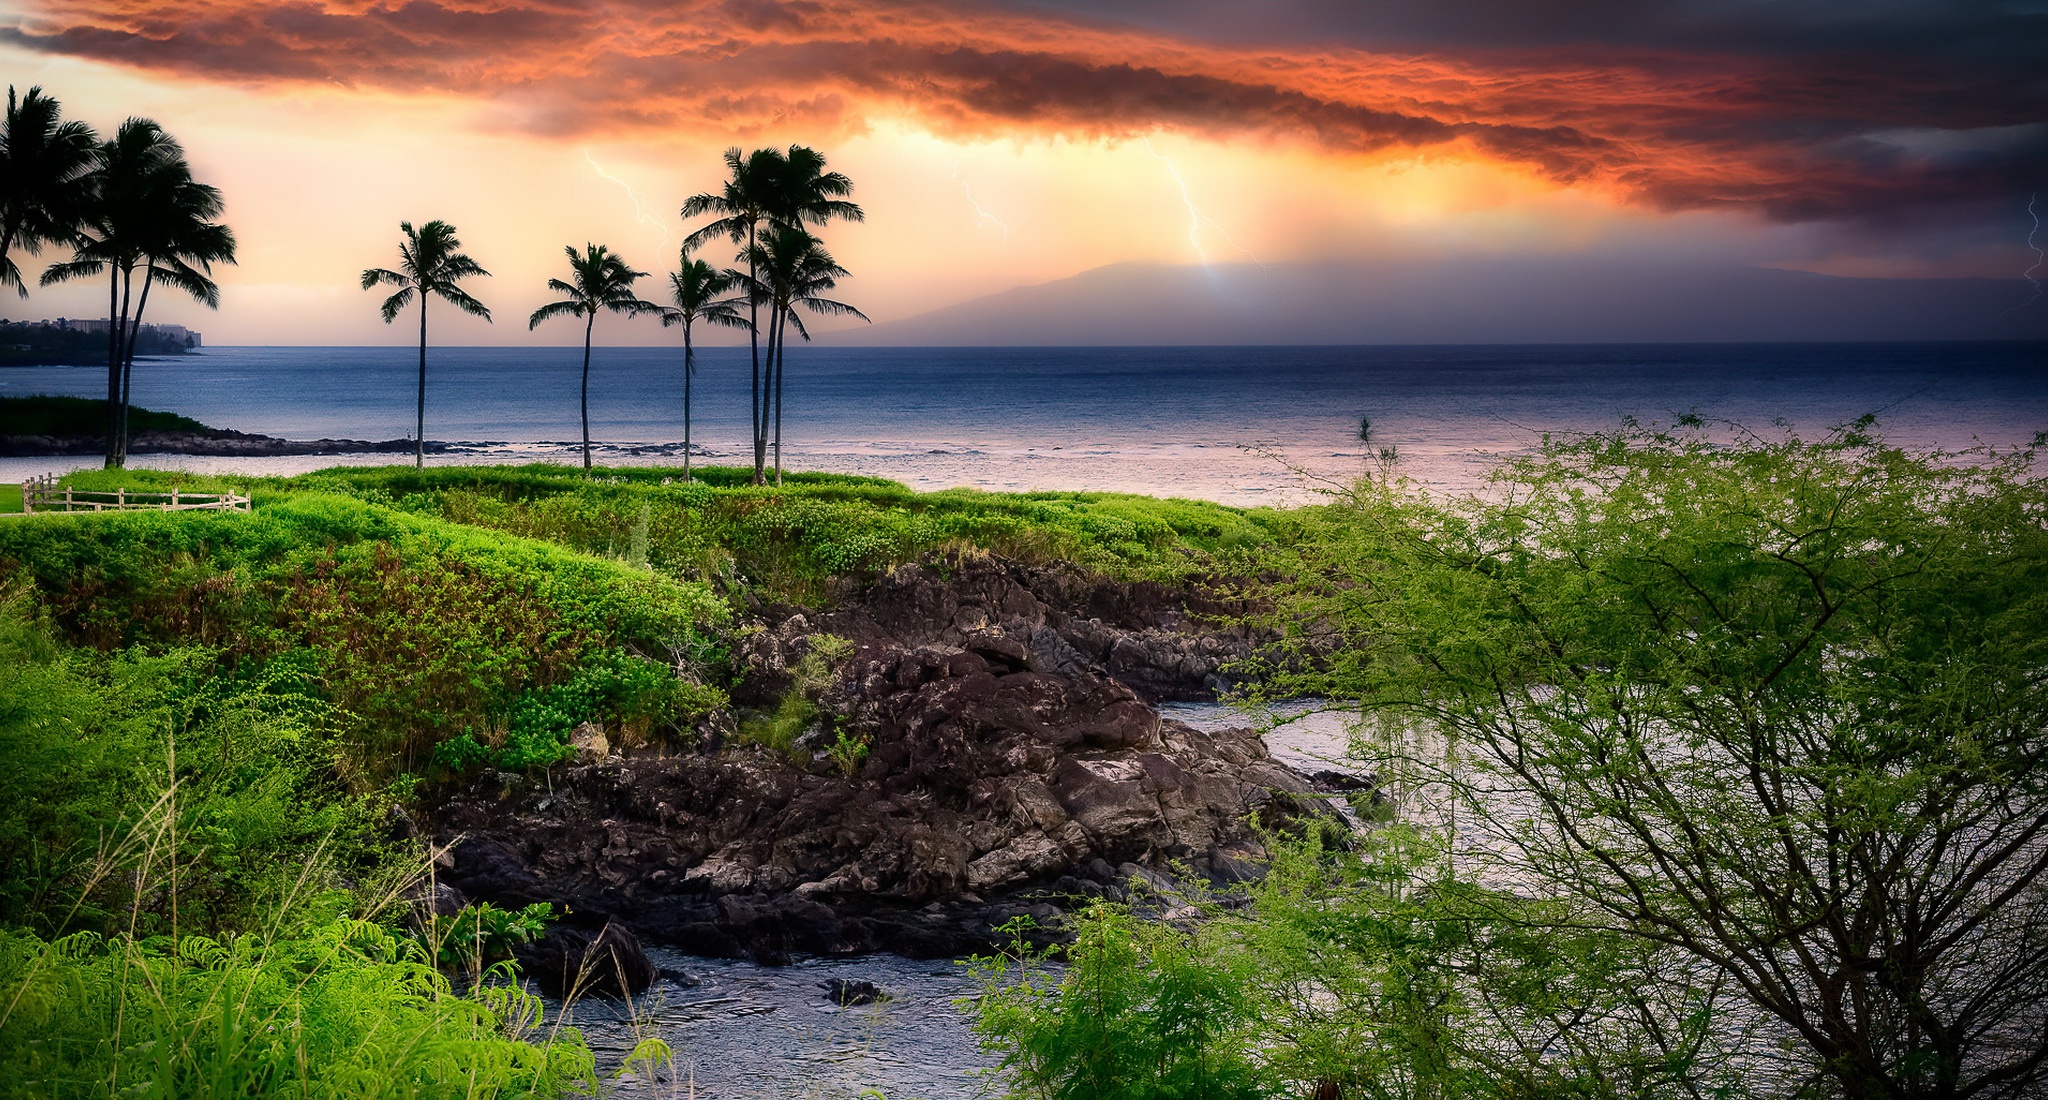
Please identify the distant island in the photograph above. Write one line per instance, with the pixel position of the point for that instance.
(68, 342)
(37, 425)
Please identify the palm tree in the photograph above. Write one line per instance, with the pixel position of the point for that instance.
(695, 288)
(793, 269)
(142, 211)
(180, 244)
(769, 187)
(743, 202)
(43, 165)
(598, 280)
(430, 262)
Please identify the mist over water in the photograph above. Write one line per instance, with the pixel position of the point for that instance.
(1195, 422)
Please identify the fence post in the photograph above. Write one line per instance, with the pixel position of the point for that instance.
(174, 498)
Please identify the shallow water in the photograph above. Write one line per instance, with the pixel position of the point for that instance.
(758, 1031)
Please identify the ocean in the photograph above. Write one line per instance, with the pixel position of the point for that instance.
(1241, 425)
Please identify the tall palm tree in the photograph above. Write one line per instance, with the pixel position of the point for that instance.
(43, 165)
(180, 244)
(598, 280)
(793, 270)
(430, 262)
(695, 287)
(742, 204)
(143, 212)
(769, 187)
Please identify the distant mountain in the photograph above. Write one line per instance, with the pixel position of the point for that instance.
(1517, 300)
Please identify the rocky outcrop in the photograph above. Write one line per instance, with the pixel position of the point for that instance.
(1165, 642)
(1010, 762)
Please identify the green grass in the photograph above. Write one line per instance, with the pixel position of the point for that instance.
(787, 543)
(10, 499)
(72, 416)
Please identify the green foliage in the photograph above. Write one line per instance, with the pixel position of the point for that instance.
(789, 541)
(479, 935)
(76, 416)
(798, 709)
(229, 777)
(1770, 705)
(417, 629)
(1142, 1011)
(1366, 972)
(848, 753)
(346, 1010)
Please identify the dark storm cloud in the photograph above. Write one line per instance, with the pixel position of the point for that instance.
(1804, 110)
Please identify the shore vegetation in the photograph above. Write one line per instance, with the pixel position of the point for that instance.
(1718, 766)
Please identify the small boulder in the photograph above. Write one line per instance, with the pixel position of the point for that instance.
(846, 993)
(569, 963)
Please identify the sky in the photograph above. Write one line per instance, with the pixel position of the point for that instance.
(1002, 143)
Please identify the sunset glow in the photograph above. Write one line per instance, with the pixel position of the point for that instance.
(998, 144)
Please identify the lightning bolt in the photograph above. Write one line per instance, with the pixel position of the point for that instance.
(980, 214)
(1196, 219)
(639, 210)
(2040, 256)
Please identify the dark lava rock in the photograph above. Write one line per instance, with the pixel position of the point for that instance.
(569, 963)
(1014, 760)
(848, 993)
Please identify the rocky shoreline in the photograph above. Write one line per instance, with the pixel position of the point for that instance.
(1014, 765)
(218, 442)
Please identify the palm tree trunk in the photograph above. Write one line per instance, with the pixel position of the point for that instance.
(781, 354)
(113, 362)
(128, 359)
(768, 383)
(419, 452)
(117, 317)
(587, 326)
(754, 341)
(689, 368)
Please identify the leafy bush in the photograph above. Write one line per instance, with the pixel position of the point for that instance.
(228, 776)
(1365, 973)
(418, 629)
(348, 1010)
(479, 935)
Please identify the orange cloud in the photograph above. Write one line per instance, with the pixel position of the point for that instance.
(1825, 137)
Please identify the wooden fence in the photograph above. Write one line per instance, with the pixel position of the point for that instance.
(43, 494)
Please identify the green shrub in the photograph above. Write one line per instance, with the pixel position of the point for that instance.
(476, 936)
(228, 776)
(348, 1010)
(418, 629)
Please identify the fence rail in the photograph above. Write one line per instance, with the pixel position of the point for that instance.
(44, 494)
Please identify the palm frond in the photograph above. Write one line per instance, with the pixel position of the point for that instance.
(461, 300)
(72, 269)
(395, 303)
(554, 309)
(176, 273)
(826, 307)
(374, 276)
